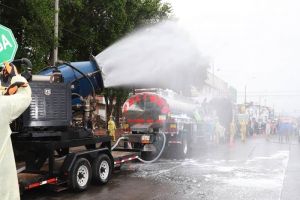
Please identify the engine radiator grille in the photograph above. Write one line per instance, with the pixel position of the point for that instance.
(50, 105)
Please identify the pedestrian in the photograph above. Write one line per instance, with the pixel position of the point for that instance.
(222, 133)
(219, 133)
(112, 128)
(268, 130)
(243, 125)
(232, 132)
(288, 133)
(13, 102)
(238, 127)
(273, 128)
(250, 126)
(124, 124)
(281, 131)
(211, 129)
(255, 132)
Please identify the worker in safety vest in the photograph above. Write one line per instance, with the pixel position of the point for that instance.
(13, 102)
(112, 128)
(243, 130)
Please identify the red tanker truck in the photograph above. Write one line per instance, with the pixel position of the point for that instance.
(159, 121)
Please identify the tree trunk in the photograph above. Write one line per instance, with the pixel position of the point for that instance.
(106, 109)
(118, 111)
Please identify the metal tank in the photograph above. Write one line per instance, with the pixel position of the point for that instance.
(80, 84)
(156, 109)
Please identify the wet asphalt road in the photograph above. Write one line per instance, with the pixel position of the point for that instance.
(258, 169)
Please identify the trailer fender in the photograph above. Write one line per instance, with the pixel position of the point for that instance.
(89, 154)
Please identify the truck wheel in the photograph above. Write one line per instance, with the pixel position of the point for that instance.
(80, 175)
(183, 148)
(147, 155)
(101, 169)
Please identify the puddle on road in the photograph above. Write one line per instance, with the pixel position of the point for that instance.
(257, 178)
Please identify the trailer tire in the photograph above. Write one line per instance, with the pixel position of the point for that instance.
(101, 169)
(81, 174)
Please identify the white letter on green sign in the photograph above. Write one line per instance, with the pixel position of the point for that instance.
(4, 43)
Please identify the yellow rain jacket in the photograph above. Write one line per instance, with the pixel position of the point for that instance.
(11, 107)
(112, 129)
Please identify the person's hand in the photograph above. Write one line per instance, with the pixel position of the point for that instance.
(2, 90)
(13, 88)
(8, 71)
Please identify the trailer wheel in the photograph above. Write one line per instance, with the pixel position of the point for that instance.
(80, 175)
(102, 168)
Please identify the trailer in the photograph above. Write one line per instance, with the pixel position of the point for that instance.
(69, 164)
(54, 140)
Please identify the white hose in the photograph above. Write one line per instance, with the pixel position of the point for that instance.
(121, 138)
(158, 156)
(140, 159)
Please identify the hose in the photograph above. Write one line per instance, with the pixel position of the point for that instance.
(89, 75)
(78, 95)
(80, 72)
(121, 138)
(140, 159)
(158, 156)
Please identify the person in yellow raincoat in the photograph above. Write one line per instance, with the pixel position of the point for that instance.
(13, 102)
(112, 128)
(243, 130)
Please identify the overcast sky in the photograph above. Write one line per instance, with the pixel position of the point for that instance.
(251, 42)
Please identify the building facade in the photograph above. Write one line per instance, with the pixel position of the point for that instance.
(214, 87)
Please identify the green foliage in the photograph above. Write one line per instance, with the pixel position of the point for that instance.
(97, 24)
(32, 23)
(85, 27)
(114, 99)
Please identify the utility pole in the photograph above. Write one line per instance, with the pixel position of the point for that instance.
(55, 50)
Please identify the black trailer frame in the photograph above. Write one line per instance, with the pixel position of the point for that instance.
(41, 163)
(41, 152)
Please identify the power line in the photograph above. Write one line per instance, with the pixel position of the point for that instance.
(75, 34)
(8, 7)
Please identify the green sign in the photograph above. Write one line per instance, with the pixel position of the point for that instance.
(8, 45)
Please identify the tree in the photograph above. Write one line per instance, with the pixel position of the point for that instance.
(97, 24)
(86, 27)
(114, 99)
(32, 24)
